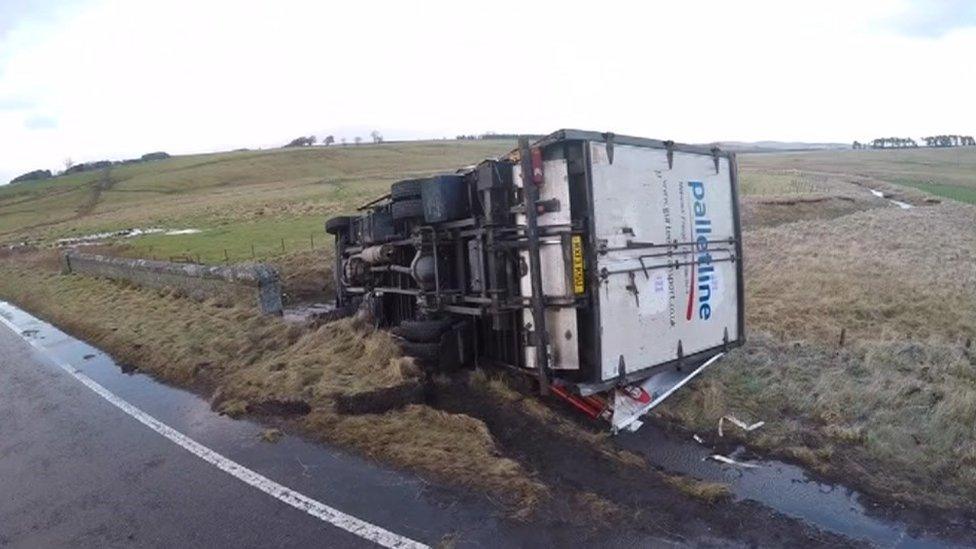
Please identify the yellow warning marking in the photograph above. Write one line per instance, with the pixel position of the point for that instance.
(578, 279)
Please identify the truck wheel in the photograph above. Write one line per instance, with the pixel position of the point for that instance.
(422, 331)
(406, 189)
(337, 225)
(407, 209)
(427, 352)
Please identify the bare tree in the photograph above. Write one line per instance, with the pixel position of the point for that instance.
(68, 162)
(358, 139)
(302, 141)
(376, 136)
(342, 140)
(328, 140)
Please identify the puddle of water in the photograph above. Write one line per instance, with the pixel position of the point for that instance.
(123, 233)
(899, 203)
(786, 488)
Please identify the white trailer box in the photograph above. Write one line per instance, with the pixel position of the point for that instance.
(663, 263)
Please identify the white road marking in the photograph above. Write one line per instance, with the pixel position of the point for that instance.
(317, 509)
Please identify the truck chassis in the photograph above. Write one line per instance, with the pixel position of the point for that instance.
(465, 269)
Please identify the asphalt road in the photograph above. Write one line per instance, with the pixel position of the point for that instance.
(78, 471)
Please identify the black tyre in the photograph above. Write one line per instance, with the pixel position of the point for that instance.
(427, 352)
(422, 331)
(407, 209)
(337, 225)
(406, 189)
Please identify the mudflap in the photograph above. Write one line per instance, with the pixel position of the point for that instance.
(631, 402)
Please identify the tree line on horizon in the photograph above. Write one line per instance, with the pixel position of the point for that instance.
(71, 167)
(948, 140)
(311, 140)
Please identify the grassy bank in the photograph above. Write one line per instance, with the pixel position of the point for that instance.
(237, 198)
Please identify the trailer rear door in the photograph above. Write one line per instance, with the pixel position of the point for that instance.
(666, 227)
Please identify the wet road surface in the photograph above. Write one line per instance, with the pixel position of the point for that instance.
(75, 470)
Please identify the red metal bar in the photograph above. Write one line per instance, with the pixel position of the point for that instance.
(578, 403)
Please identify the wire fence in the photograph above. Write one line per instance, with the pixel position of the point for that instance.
(252, 252)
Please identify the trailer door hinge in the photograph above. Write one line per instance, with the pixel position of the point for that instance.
(608, 138)
(547, 206)
(669, 145)
(715, 156)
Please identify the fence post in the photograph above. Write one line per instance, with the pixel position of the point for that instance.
(226, 257)
(252, 251)
(282, 245)
(311, 241)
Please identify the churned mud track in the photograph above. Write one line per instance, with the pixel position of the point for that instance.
(634, 495)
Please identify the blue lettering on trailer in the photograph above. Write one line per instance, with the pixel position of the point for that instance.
(702, 269)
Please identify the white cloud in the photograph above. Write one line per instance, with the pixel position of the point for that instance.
(123, 78)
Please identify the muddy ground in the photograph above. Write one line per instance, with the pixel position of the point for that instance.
(598, 493)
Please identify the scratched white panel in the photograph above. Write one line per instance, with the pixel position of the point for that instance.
(645, 312)
(560, 323)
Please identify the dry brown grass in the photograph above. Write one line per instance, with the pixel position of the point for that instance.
(306, 276)
(773, 197)
(880, 273)
(708, 492)
(894, 418)
(600, 512)
(891, 411)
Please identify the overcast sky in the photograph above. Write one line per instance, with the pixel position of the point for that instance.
(111, 79)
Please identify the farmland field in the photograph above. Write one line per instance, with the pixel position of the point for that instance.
(950, 173)
(860, 313)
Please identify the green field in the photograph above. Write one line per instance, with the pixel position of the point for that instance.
(252, 204)
(950, 173)
(237, 199)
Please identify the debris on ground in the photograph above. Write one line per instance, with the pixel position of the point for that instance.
(697, 439)
(271, 435)
(738, 423)
(729, 461)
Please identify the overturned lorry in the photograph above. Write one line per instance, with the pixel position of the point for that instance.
(607, 267)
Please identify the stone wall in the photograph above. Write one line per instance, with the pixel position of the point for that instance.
(254, 283)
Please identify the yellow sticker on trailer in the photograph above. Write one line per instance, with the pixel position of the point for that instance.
(578, 279)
